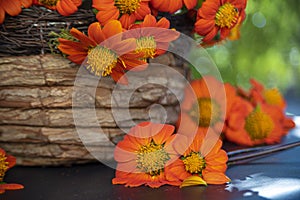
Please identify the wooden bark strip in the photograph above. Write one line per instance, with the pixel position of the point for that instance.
(84, 117)
(38, 70)
(61, 96)
(27, 134)
(40, 161)
(58, 151)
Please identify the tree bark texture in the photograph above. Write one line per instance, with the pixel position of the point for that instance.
(36, 110)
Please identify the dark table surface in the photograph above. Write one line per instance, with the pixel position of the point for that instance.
(276, 176)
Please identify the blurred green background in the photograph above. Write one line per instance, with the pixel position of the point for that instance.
(269, 47)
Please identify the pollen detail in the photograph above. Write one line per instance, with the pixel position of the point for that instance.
(258, 124)
(101, 60)
(146, 45)
(226, 16)
(209, 112)
(3, 166)
(127, 6)
(194, 163)
(152, 158)
(273, 97)
(48, 2)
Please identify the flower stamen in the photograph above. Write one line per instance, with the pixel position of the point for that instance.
(209, 111)
(3, 166)
(48, 2)
(194, 163)
(101, 60)
(147, 45)
(273, 96)
(152, 158)
(226, 16)
(259, 124)
(127, 6)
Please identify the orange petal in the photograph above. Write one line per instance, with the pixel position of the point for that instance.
(149, 21)
(163, 23)
(127, 20)
(66, 7)
(112, 28)
(95, 33)
(190, 4)
(215, 177)
(142, 11)
(119, 76)
(122, 155)
(78, 58)
(163, 133)
(82, 37)
(106, 15)
(12, 7)
(2, 15)
(11, 186)
(11, 161)
(26, 3)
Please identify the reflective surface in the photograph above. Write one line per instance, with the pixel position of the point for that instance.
(276, 176)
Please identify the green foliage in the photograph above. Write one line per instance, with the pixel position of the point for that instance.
(269, 47)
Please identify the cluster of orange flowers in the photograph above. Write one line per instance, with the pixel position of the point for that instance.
(214, 21)
(246, 118)
(7, 162)
(14, 7)
(152, 155)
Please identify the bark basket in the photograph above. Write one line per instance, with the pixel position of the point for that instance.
(36, 121)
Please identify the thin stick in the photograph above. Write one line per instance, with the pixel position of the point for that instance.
(246, 154)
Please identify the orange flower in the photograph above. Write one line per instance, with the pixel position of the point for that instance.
(204, 106)
(143, 154)
(12, 7)
(249, 125)
(153, 37)
(258, 94)
(106, 55)
(127, 11)
(218, 15)
(197, 166)
(64, 7)
(172, 6)
(7, 162)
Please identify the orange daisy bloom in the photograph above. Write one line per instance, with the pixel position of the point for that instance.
(127, 11)
(204, 106)
(218, 16)
(7, 162)
(63, 7)
(197, 166)
(143, 154)
(12, 7)
(106, 55)
(172, 6)
(248, 125)
(152, 39)
(258, 94)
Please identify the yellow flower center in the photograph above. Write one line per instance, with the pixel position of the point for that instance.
(258, 124)
(209, 112)
(226, 16)
(147, 45)
(127, 6)
(3, 166)
(101, 60)
(48, 2)
(273, 96)
(152, 158)
(194, 163)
